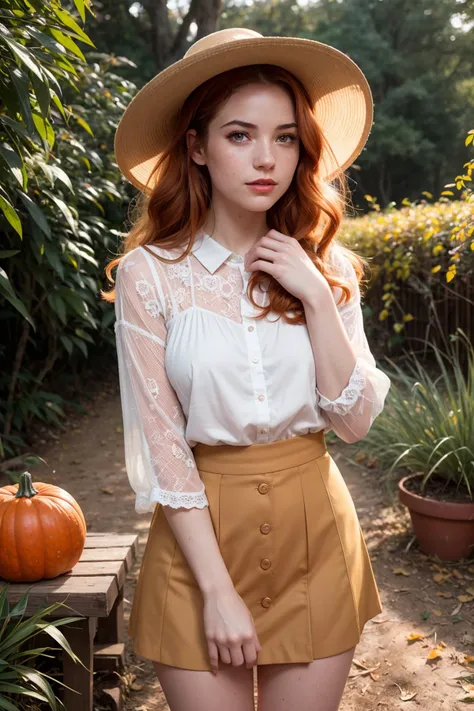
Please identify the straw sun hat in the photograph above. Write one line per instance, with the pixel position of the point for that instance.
(340, 93)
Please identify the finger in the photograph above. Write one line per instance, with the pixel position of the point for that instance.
(268, 267)
(213, 656)
(250, 654)
(260, 243)
(279, 236)
(266, 253)
(258, 646)
(270, 242)
(224, 654)
(236, 655)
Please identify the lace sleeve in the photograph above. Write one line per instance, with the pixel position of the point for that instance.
(159, 462)
(351, 414)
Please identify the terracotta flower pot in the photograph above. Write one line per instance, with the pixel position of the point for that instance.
(442, 528)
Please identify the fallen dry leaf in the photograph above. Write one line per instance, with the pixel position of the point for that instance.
(405, 695)
(438, 613)
(441, 577)
(446, 595)
(365, 669)
(106, 490)
(356, 663)
(414, 636)
(434, 654)
(400, 571)
(465, 598)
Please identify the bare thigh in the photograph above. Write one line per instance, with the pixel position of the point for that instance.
(189, 690)
(317, 686)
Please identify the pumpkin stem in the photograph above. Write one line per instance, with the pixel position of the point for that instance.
(25, 487)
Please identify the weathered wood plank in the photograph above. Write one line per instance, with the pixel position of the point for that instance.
(112, 628)
(112, 540)
(103, 554)
(105, 567)
(115, 697)
(110, 657)
(80, 635)
(91, 597)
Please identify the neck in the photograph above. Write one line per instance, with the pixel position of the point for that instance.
(236, 229)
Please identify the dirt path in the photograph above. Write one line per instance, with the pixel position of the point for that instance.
(419, 596)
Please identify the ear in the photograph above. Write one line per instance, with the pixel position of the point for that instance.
(195, 149)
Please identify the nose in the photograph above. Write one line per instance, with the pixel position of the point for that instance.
(263, 155)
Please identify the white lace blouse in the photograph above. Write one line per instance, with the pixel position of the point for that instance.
(194, 367)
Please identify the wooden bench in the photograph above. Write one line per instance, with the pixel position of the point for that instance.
(94, 589)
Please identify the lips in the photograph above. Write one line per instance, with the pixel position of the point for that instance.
(262, 182)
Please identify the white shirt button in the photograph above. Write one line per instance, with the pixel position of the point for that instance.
(255, 359)
(261, 397)
(250, 328)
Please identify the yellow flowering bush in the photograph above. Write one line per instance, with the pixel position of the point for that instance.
(422, 241)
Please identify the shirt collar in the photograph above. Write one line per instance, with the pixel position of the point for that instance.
(212, 254)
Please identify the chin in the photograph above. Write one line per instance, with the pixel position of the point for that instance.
(260, 203)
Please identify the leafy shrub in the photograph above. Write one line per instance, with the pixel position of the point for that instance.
(67, 211)
(19, 676)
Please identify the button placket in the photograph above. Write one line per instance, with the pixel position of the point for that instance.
(265, 563)
(263, 413)
(266, 528)
(255, 361)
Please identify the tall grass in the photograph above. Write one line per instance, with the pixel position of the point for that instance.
(427, 425)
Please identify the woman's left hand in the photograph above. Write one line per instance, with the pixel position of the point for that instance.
(285, 259)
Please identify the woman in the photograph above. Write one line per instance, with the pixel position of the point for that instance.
(241, 343)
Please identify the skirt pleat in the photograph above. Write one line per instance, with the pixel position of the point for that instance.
(290, 537)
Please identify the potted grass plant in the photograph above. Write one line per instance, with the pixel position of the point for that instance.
(20, 679)
(426, 432)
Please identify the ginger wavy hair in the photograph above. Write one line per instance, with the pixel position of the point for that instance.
(311, 210)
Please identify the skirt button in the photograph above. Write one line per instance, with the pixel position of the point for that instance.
(263, 488)
(265, 563)
(265, 528)
(266, 602)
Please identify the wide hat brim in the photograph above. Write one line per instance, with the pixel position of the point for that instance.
(341, 96)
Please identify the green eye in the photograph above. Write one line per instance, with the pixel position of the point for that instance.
(291, 136)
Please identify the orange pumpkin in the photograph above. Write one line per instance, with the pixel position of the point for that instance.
(42, 531)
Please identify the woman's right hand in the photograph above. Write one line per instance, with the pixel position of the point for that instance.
(230, 630)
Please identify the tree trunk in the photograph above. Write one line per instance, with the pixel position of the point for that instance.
(207, 17)
(168, 49)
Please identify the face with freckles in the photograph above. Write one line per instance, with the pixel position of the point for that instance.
(253, 136)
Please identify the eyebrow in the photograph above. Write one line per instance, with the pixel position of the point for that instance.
(252, 125)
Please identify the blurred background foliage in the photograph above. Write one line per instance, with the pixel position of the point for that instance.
(69, 69)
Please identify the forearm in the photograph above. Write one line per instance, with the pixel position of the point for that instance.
(195, 535)
(334, 357)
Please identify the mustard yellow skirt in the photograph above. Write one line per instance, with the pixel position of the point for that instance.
(290, 537)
